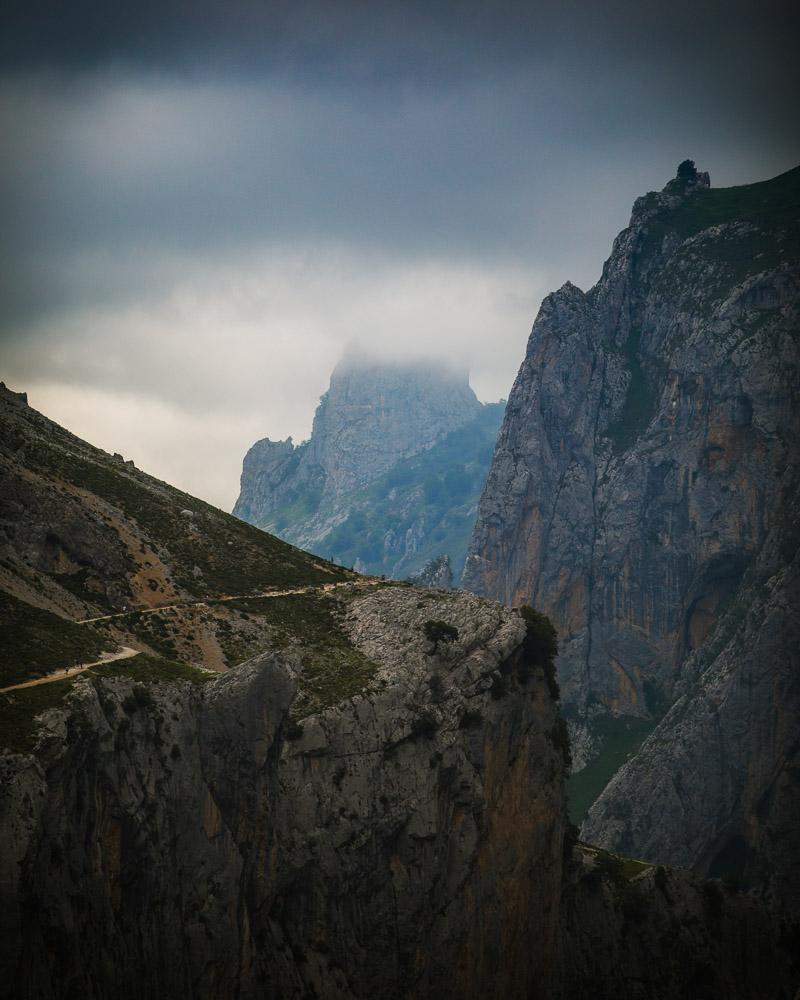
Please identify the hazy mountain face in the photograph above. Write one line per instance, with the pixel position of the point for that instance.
(390, 476)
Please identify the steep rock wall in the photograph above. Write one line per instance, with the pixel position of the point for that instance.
(176, 841)
(373, 415)
(716, 787)
(647, 437)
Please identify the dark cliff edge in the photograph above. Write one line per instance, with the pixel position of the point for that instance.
(178, 840)
(641, 495)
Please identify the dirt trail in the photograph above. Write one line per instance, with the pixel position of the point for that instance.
(124, 653)
(226, 597)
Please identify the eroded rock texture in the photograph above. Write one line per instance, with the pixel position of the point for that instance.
(650, 447)
(373, 415)
(663, 934)
(717, 784)
(649, 433)
(179, 841)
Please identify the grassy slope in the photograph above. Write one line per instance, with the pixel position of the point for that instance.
(771, 237)
(333, 669)
(230, 555)
(34, 642)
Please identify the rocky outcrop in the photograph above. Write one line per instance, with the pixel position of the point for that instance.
(435, 575)
(200, 840)
(373, 415)
(649, 447)
(634, 477)
(174, 840)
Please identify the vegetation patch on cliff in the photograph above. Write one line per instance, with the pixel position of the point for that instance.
(620, 737)
(20, 708)
(640, 401)
(333, 669)
(152, 670)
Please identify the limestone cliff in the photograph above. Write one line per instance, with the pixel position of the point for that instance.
(187, 837)
(390, 476)
(372, 415)
(212, 840)
(370, 806)
(716, 787)
(436, 575)
(649, 448)
(650, 933)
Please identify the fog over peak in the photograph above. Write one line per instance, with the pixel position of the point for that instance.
(202, 206)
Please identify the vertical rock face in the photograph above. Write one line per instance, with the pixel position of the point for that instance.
(663, 933)
(721, 773)
(372, 416)
(436, 574)
(177, 841)
(647, 438)
(650, 447)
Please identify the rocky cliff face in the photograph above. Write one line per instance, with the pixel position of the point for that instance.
(721, 774)
(208, 838)
(373, 415)
(391, 475)
(180, 840)
(371, 806)
(652, 933)
(650, 445)
(436, 575)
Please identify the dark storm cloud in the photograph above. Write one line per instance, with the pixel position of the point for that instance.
(433, 40)
(221, 189)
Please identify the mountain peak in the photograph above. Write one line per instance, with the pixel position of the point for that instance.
(687, 179)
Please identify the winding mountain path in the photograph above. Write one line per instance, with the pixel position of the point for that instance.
(228, 597)
(123, 653)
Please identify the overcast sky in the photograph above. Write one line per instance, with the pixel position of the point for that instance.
(204, 203)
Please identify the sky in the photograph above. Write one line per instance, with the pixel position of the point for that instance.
(204, 204)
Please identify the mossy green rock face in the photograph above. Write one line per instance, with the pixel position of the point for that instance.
(649, 451)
